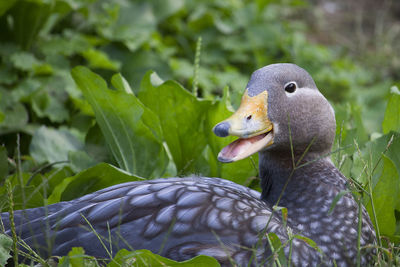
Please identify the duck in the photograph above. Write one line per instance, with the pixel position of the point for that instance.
(286, 120)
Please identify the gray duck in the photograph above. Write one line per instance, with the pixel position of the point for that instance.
(284, 118)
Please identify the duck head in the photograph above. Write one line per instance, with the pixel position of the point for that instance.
(281, 107)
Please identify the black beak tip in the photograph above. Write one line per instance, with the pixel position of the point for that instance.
(224, 160)
(222, 129)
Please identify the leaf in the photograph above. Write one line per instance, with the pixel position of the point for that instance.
(25, 197)
(385, 198)
(121, 84)
(51, 145)
(80, 160)
(134, 25)
(29, 17)
(95, 178)
(96, 146)
(144, 257)
(276, 247)
(5, 249)
(47, 105)
(391, 121)
(132, 131)
(310, 242)
(99, 59)
(77, 258)
(182, 116)
(15, 114)
(6, 5)
(24, 61)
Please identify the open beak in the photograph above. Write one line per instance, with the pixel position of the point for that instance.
(251, 124)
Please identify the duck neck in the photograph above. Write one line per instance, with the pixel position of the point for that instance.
(282, 182)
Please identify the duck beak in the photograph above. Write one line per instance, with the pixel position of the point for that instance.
(251, 124)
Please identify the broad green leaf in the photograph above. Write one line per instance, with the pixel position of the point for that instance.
(5, 248)
(182, 117)
(96, 146)
(141, 258)
(80, 160)
(95, 178)
(133, 26)
(29, 18)
(385, 197)
(45, 104)
(99, 59)
(24, 61)
(131, 130)
(6, 5)
(77, 258)
(23, 197)
(14, 114)
(51, 145)
(369, 162)
(391, 121)
(121, 84)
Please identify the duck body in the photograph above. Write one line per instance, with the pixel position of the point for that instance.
(284, 118)
(179, 218)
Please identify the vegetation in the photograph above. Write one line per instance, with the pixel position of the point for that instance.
(64, 132)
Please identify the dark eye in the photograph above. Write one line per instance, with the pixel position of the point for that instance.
(290, 87)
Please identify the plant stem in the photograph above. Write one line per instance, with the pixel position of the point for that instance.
(196, 67)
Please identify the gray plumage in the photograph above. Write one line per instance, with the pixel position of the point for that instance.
(184, 217)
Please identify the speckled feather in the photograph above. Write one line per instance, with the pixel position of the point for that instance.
(189, 216)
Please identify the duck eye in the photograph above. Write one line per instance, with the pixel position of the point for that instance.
(290, 87)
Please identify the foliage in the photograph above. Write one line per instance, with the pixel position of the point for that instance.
(60, 132)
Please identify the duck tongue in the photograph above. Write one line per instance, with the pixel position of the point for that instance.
(244, 147)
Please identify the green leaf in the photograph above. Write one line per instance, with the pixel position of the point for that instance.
(80, 160)
(182, 116)
(28, 18)
(51, 145)
(95, 178)
(24, 61)
(24, 197)
(6, 5)
(385, 198)
(132, 131)
(5, 248)
(46, 105)
(77, 258)
(144, 257)
(99, 59)
(310, 242)
(121, 84)
(391, 121)
(15, 114)
(134, 25)
(276, 247)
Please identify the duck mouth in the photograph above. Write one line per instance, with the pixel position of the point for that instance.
(245, 147)
(251, 124)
